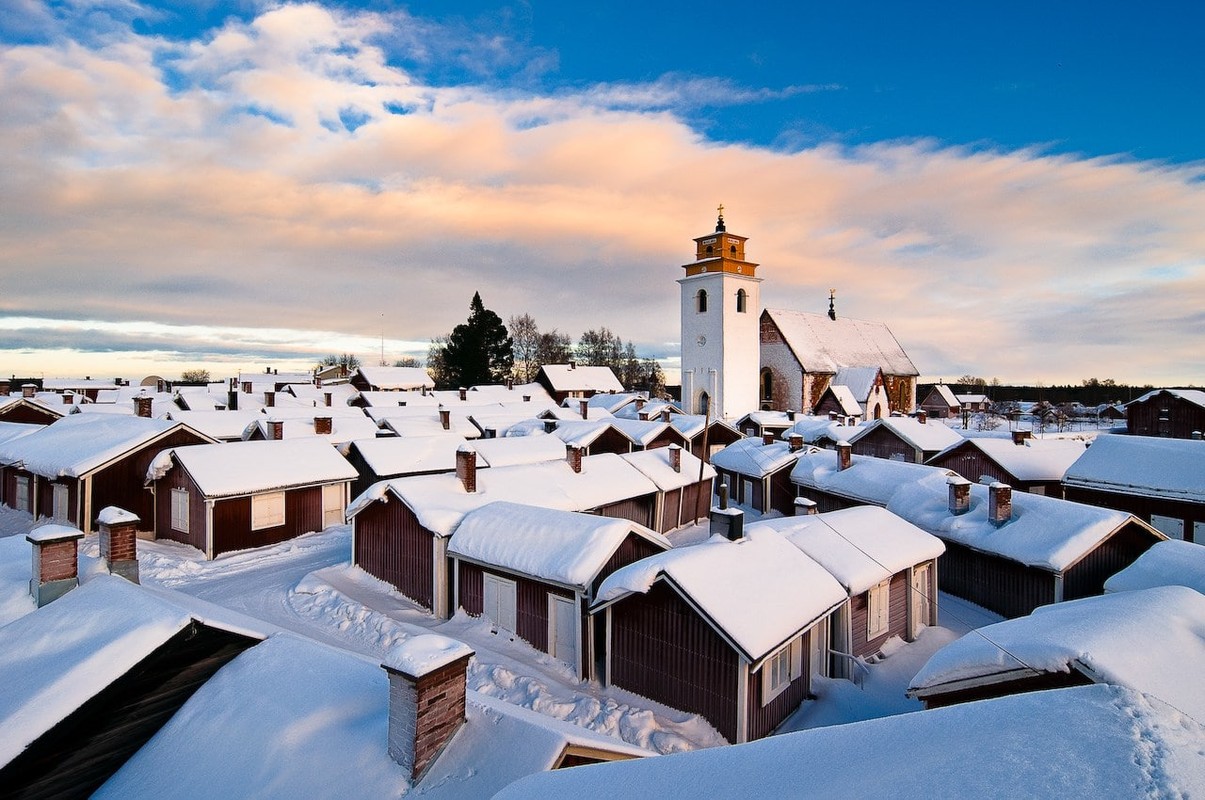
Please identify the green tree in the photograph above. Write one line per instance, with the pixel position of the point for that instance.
(479, 350)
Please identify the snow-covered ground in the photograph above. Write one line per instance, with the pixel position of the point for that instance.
(308, 586)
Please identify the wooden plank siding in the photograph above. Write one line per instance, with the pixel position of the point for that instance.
(1165, 415)
(28, 413)
(897, 617)
(1087, 576)
(671, 510)
(1140, 506)
(782, 491)
(121, 483)
(531, 601)
(763, 719)
(636, 509)
(632, 549)
(232, 520)
(661, 649)
(198, 517)
(998, 584)
(392, 545)
(883, 442)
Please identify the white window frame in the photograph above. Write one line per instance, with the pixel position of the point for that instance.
(23, 503)
(332, 504)
(781, 670)
(878, 609)
(267, 510)
(180, 510)
(59, 501)
(500, 601)
(1171, 527)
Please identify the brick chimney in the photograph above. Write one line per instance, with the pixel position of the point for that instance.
(572, 365)
(804, 506)
(640, 403)
(999, 503)
(833, 415)
(29, 389)
(510, 384)
(246, 387)
(119, 541)
(142, 405)
(1020, 437)
(526, 398)
(675, 457)
(445, 419)
(726, 521)
(573, 455)
(549, 426)
(466, 467)
(4, 390)
(232, 395)
(795, 442)
(922, 416)
(464, 393)
(845, 455)
(426, 698)
(584, 408)
(55, 561)
(270, 399)
(326, 399)
(790, 415)
(643, 416)
(276, 429)
(665, 414)
(323, 425)
(767, 437)
(960, 494)
(68, 396)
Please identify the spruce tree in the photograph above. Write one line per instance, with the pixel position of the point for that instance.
(479, 350)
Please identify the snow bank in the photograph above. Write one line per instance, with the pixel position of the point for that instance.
(1170, 563)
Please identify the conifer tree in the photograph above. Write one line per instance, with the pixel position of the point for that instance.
(478, 351)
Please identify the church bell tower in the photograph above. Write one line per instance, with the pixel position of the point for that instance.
(721, 305)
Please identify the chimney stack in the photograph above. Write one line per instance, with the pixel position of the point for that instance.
(642, 415)
(463, 392)
(550, 426)
(960, 494)
(68, 396)
(795, 442)
(640, 404)
(1020, 437)
(999, 503)
(572, 365)
(726, 521)
(4, 388)
(573, 455)
(466, 467)
(833, 415)
(323, 425)
(119, 541)
(804, 506)
(28, 390)
(675, 457)
(584, 408)
(845, 455)
(55, 561)
(246, 387)
(922, 416)
(276, 429)
(510, 384)
(426, 698)
(526, 398)
(142, 405)
(445, 419)
(326, 399)
(767, 437)
(665, 414)
(790, 415)
(270, 399)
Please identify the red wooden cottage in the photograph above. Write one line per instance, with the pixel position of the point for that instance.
(940, 403)
(684, 485)
(1024, 463)
(758, 473)
(1170, 413)
(238, 495)
(82, 463)
(27, 410)
(730, 630)
(535, 571)
(903, 439)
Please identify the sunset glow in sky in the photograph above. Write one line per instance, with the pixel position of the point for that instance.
(1016, 190)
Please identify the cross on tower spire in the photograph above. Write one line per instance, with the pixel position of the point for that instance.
(719, 223)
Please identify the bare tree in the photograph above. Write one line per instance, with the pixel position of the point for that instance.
(525, 343)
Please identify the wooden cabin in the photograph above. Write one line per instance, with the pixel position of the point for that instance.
(758, 473)
(903, 439)
(684, 485)
(940, 403)
(1024, 463)
(1168, 413)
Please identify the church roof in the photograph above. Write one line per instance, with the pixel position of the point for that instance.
(828, 345)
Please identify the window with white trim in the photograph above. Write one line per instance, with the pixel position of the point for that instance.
(267, 510)
(878, 616)
(180, 510)
(23, 493)
(781, 669)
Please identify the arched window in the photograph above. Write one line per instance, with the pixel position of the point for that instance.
(732, 249)
(704, 403)
(710, 249)
(741, 299)
(767, 386)
(701, 301)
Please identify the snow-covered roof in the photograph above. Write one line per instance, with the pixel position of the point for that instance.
(759, 592)
(860, 547)
(217, 424)
(1032, 460)
(813, 429)
(502, 419)
(511, 450)
(512, 395)
(612, 403)
(765, 419)
(240, 468)
(859, 380)
(945, 394)
(408, 455)
(76, 384)
(15, 430)
(1043, 532)
(77, 444)
(1170, 563)
(1194, 396)
(567, 378)
(971, 398)
(1150, 466)
(274, 377)
(404, 378)
(10, 402)
(427, 423)
(1088, 741)
(581, 432)
(563, 547)
(827, 345)
(642, 432)
(344, 428)
(922, 436)
(291, 718)
(754, 458)
(440, 501)
(868, 480)
(655, 464)
(340, 393)
(1151, 640)
(845, 398)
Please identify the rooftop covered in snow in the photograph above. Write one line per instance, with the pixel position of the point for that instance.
(238, 468)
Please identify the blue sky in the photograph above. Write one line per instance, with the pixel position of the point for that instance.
(1016, 190)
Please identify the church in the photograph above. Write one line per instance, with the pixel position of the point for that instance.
(738, 357)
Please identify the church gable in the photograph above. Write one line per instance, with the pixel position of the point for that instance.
(821, 344)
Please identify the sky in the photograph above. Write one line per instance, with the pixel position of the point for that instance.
(1016, 190)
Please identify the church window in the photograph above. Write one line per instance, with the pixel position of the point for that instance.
(741, 301)
(767, 385)
(732, 249)
(701, 301)
(710, 249)
(704, 403)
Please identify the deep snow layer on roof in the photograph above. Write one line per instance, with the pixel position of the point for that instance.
(397, 377)
(1151, 640)
(1195, 396)
(826, 345)
(869, 480)
(859, 380)
(440, 501)
(1043, 532)
(1033, 460)
(217, 424)
(15, 430)
(566, 378)
(343, 428)
(1143, 465)
(1090, 741)
(76, 444)
(846, 399)
(1170, 563)
(861, 546)
(409, 455)
(760, 591)
(922, 436)
(291, 718)
(238, 468)
(655, 465)
(560, 546)
(754, 458)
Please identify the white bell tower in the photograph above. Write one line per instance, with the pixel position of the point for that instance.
(721, 308)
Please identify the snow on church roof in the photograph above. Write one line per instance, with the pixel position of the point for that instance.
(1150, 640)
(565, 547)
(759, 591)
(826, 345)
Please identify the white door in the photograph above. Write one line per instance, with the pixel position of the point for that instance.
(499, 601)
(60, 502)
(1170, 527)
(332, 505)
(562, 629)
(922, 607)
(818, 648)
